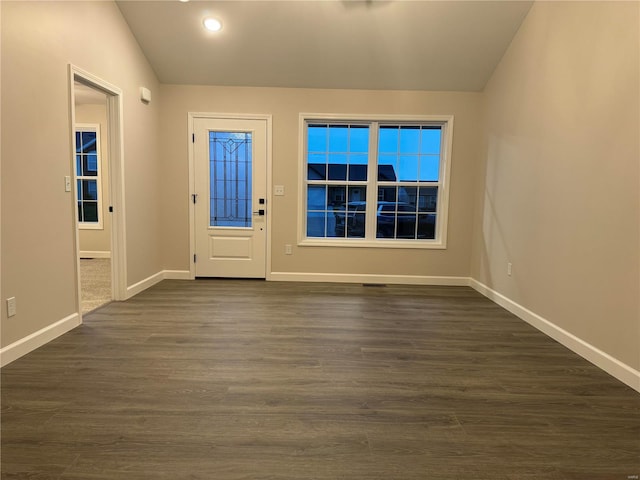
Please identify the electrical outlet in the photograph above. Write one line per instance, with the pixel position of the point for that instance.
(11, 306)
(509, 268)
(287, 250)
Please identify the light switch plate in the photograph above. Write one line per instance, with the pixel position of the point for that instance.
(278, 190)
(11, 306)
(67, 183)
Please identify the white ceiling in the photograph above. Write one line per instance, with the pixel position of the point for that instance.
(373, 44)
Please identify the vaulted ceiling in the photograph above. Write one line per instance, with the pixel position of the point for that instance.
(373, 44)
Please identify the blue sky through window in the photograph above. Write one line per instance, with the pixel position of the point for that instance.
(412, 153)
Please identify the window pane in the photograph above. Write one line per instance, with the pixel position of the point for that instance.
(335, 223)
(316, 171)
(409, 139)
(339, 227)
(408, 168)
(430, 141)
(337, 197)
(90, 211)
(80, 215)
(79, 189)
(316, 224)
(387, 194)
(388, 139)
(408, 196)
(317, 197)
(426, 227)
(337, 172)
(428, 200)
(337, 168)
(78, 142)
(90, 165)
(358, 159)
(429, 168)
(88, 142)
(358, 167)
(89, 190)
(317, 138)
(359, 139)
(357, 196)
(337, 159)
(356, 225)
(386, 223)
(357, 173)
(406, 226)
(79, 165)
(386, 168)
(317, 158)
(338, 138)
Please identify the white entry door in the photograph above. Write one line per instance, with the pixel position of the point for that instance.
(230, 169)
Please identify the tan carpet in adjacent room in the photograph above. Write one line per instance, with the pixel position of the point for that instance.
(95, 282)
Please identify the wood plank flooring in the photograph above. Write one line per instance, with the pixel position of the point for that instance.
(232, 379)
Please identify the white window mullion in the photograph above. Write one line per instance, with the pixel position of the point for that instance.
(372, 183)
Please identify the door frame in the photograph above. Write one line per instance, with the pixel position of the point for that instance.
(192, 116)
(116, 180)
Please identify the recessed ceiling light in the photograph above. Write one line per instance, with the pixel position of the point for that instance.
(212, 24)
(184, 1)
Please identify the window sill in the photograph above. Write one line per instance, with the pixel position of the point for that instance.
(360, 243)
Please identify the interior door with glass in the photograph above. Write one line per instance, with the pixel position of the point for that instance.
(230, 170)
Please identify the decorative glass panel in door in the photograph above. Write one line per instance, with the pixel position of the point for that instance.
(230, 179)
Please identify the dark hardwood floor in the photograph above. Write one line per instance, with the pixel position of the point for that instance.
(228, 379)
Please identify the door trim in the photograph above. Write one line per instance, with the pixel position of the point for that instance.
(192, 116)
(116, 174)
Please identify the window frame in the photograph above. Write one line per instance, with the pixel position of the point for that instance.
(90, 127)
(445, 122)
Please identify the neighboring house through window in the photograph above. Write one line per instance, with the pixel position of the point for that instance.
(88, 175)
(375, 182)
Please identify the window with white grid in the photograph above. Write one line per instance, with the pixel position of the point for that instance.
(375, 182)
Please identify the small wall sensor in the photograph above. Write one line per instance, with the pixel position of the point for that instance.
(145, 95)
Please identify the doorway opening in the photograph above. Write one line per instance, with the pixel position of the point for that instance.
(97, 188)
(91, 172)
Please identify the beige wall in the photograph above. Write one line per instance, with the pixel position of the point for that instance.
(544, 166)
(94, 240)
(285, 105)
(560, 190)
(39, 40)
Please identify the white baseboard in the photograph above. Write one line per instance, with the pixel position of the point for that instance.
(603, 360)
(142, 285)
(150, 281)
(176, 275)
(90, 254)
(29, 343)
(367, 278)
